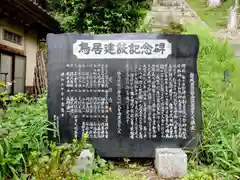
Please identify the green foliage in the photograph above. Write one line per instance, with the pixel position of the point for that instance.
(173, 28)
(215, 17)
(3, 96)
(57, 163)
(25, 151)
(100, 166)
(99, 16)
(22, 130)
(21, 98)
(145, 24)
(114, 176)
(221, 104)
(15, 100)
(200, 173)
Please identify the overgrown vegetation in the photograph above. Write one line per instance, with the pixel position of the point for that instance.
(173, 28)
(3, 96)
(219, 153)
(215, 17)
(26, 152)
(23, 128)
(99, 16)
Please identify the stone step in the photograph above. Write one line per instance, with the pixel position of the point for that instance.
(160, 8)
(160, 14)
(157, 30)
(163, 12)
(235, 40)
(236, 47)
(178, 10)
(158, 25)
(163, 17)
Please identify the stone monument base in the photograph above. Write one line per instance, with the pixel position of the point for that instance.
(170, 162)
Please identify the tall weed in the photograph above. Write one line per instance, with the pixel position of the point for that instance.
(220, 102)
(22, 130)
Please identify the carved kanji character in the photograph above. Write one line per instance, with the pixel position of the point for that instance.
(147, 48)
(97, 48)
(134, 48)
(159, 48)
(109, 48)
(121, 48)
(84, 48)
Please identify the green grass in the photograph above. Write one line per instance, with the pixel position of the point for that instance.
(116, 176)
(215, 17)
(220, 149)
(23, 127)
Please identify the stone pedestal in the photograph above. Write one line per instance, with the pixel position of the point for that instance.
(170, 162)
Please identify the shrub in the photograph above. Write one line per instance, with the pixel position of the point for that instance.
(220, 103)
(99, 16)
(173, 28)
(22, 130)
(57, 163)
(26, 152)
(3, 96)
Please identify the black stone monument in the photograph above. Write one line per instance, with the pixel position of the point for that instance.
(132, 93)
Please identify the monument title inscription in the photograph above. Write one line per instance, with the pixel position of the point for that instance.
(132, 93)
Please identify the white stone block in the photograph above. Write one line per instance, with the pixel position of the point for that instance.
(170, 162)
(84, 161)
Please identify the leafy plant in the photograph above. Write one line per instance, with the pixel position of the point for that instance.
(57, 163)
(115, 176)
(23, 129)
(99, 16)
(21, 98)
(25, 151)
(3, 96)
(220, 103)
(173, 28)
(100, 166)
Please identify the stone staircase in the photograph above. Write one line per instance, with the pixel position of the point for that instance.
(164, 12)
(235, 44)
(232, 38)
